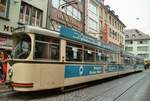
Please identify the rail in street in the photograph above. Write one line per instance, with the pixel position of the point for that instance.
(129, 88)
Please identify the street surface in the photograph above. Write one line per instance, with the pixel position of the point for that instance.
(135, 87)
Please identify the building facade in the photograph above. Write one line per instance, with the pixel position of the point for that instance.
(111, 31)
(115, 29)
(15, 13)
(66, 12)
(92, 18)
(138, 43)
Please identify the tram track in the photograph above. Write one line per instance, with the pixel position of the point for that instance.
(127, 89)
(86, 85)
(106, 95)
(98, 91)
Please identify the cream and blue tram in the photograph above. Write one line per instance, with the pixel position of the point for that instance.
(44, 59)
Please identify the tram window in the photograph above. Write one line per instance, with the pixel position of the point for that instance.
(22, 47)
(54, 50)
(73, 52)
(104, 57)
(89, 55)
(41, 50)
(47, 48)
(98, 56)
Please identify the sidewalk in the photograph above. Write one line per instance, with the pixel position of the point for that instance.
(4, 88)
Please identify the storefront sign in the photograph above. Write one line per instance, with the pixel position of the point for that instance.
(68, 20)
(8, 28)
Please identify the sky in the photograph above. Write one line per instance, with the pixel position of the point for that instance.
(133, 13)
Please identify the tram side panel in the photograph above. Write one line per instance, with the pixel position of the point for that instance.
(42, 76)
(50, 76)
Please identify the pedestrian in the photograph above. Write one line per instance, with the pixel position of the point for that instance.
(0, 71)
(4, 65)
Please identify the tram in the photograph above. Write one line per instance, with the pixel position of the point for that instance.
(44, 59)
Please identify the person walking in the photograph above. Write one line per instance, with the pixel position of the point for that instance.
(4, 65)
(1, 71)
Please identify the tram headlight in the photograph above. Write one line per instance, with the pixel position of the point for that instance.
(10, 72)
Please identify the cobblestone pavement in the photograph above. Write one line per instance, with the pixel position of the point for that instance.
(130, 88)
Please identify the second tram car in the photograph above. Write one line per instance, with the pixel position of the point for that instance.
(44, 59)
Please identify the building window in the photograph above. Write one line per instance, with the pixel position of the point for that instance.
(128, 42)
(142, 42)
(3, 7)
(133, 35)
(92, 24)
(56, 3)
(113, 22)
(145, 56)
(93, 8)
(110, 19)
(25, 13)
(129, 48)
(75, 13)
(69, 10)
(36, 17)
(80, 0)
(30, 15)
(142, 48)
(127, 36)
(101, 11)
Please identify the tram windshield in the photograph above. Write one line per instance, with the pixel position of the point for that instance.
(22, 46)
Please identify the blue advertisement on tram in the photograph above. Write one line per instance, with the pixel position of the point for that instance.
(82, 70)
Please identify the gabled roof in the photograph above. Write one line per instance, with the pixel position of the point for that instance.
(135, 34)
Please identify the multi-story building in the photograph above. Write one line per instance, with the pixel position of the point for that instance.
(14, 13)
(111, 30)
(116, 37)
(69, 13)
(138, 43)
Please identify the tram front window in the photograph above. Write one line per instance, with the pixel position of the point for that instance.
(22, 47)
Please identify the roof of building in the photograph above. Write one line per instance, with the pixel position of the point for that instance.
(135, 34)
(112, 12)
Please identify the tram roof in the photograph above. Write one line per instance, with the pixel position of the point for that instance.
(36, 30)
